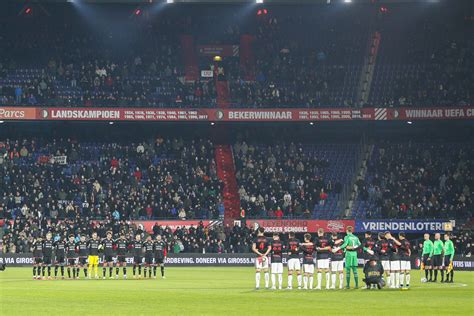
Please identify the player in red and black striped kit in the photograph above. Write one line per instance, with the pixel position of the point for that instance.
(405, 264)
(383, 252)
(308, 249)
(323, 248)
(261, 247)
(394, 260)
(137, 250)
(149, 256)
(108, 249)
(294, 264)
(277, 261)
(37, 249)
(71, 255)
(369, 243)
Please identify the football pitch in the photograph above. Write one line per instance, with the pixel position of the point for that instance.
(222, 291)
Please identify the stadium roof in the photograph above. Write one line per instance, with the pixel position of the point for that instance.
(233, 1)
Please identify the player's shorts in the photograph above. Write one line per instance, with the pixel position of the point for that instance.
(427, 260)
(447, 260)
(308, 268)
(149, 259)
(351, 259)
(108, 258)
(137, 260)
(385, 265)
(394, 265)
(82, 261)
(93, 260)
(294, 264)
(277, 267)
(71, 261)
(437, 260)
(261, 263)
(47, 261)
(323, 263)
(159, 260)
(37, 260)
(405, 265)
(337, 266)
(60, 260)
(121, 259)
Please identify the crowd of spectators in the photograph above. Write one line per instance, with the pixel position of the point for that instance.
(281, 180)
(418, 180)
(64, 178)
(309, 57)
(19, 234)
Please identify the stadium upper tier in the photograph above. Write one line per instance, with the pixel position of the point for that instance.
(289, 56)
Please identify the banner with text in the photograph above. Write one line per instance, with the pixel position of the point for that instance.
(301, 226)
(233, 115)
(408, 226)
(218, 50)
(220, 260)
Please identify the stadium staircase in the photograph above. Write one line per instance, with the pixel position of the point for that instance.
(226, 172)
(190, 58)
(368, 69)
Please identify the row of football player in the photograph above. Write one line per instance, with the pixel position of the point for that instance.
(85, 254)
(393, 253)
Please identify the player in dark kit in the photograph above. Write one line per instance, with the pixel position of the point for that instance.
(294, 263)
(308, 249)
(161, 251)
(108, 249)
(383, 252)
(261, 247)
(276, 255)
(149, 256)
(48, 246)
(71, 257)
(369, 243)
(60, 256)
(121, 246)
(405, 264)
(37, 249)
(323, 248)
(137, 249)
(83, 251)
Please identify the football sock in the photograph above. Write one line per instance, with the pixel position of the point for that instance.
(273, 280)
(134, 270)
(267, 279)
(305, 281)
(56, 271)
(162, 271)
(452, 275)
(426, 274)
(333, 280)
(85, 272)
(299, 278)
(431, 274)
(280, 280)
(407, 279)
(124, 271)
(320, 275)
(34, 271)
(290, 280)
(401, 279)
(341, 280)
(311, 282)
(110, 271)
(397, 279)
(327, 279)
(154, 271)
(348, 276)
(117, 270)
(62, 271)
(257, 279)
(356, 276)
(435, 275)
(104, 269)
(49, 271)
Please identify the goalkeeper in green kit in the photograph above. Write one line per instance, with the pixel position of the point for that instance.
(351, 245)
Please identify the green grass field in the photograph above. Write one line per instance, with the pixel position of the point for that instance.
(229, 291)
